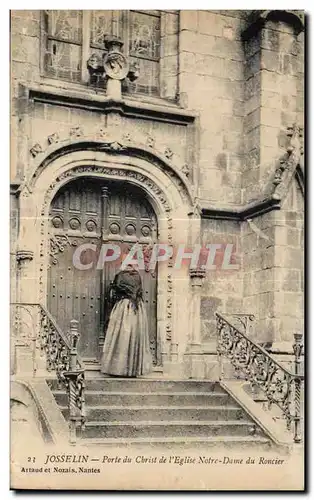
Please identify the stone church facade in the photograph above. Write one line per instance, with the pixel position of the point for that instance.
(189, 131)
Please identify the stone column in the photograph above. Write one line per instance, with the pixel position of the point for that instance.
(272, 90)
(194, 358)
(24, 258)
(25, 317)
(179, 306)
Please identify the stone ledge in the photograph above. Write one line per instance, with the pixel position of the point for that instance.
(48, 410)
(238, 212)
(278, 435)
(163, 111)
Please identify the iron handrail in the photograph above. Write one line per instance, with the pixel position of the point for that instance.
(262, 370)
(260, 348)
(62, 357)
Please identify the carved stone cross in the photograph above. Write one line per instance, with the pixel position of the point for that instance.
(114, 66)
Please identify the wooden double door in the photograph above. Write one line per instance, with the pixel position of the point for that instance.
(93, 213)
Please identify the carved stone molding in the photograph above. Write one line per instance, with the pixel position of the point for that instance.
(49, 94)
(36, 149)
(295, 132)
(169, 307)
(116, 66)
(128, 174)
(186, 170)
(76, 131)
(197, 275)
(168, 153)
(279, 173)
(24, 323)
(53, 138)
(115, 141)
(113, 67)
(150, 141)
(114, 146)
(127, 137)
(95, 65)
(110, 138)
(291, 159)
(24, 256)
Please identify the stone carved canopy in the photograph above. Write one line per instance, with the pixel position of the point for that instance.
(257, 19)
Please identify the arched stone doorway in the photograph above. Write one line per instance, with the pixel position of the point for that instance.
(85, 215)
(178, 222)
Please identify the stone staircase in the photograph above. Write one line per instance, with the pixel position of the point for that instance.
(129, 411)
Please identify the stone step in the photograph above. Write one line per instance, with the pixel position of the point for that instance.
(161, 429)
(146, 385)
(166, 413)
(111, 398)
(158, 411)
(180, 443)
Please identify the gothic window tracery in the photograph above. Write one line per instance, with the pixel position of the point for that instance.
(63, 44)
(144, 48)
(67, 33)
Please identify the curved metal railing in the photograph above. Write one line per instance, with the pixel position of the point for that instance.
(281, 386)
(61, 355)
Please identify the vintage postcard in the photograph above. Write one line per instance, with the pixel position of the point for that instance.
(157, 215)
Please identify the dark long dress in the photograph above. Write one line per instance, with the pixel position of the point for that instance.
(126, 349)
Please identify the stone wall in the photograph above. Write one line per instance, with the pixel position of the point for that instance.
(258, 244)
(245, 94)
(211, 82)
(289, 267)
(25, 68)
(222, 290)
(272, 246)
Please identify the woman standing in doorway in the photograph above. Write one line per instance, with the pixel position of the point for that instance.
(126, 349)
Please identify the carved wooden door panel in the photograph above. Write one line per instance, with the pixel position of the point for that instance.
(75, 219)
(92, 212)
(130, 219)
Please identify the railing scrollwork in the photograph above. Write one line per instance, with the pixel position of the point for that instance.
(62, 358)
(245, 320)
(251, 361)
